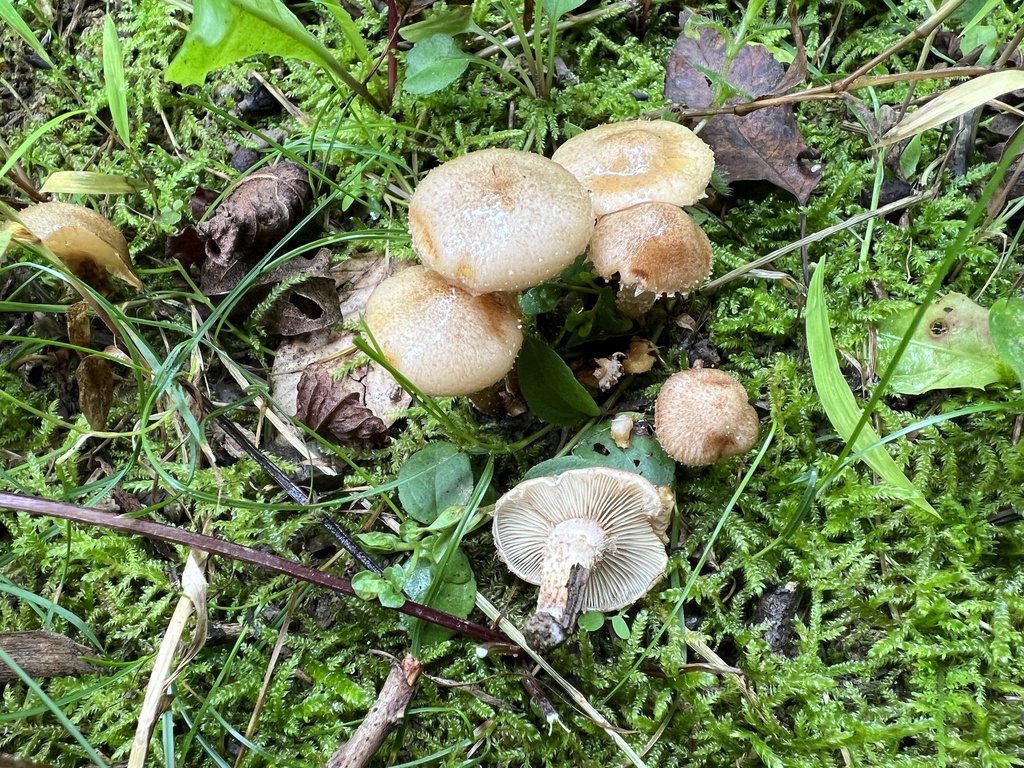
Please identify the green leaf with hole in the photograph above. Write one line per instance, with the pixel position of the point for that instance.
(225, 31)
(455, 594)
(1006, 326)
(549, 387)
(643, 455)
(434, 63)
(951, 349)
(434, 479)
(837, 398)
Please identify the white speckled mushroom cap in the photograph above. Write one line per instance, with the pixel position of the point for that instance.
(445, 341)
(703, 415)
(654, 247)
(628, 507)
(499, 220)
(625, 164)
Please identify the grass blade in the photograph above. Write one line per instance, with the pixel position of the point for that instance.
(114, 79)
(11, 16)
(837, 398)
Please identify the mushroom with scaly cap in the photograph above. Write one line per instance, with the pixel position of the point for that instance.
(445, 341)
(593, 539)
(702, 415)
(499, 220)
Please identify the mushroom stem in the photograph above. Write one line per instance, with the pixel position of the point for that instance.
(574, 547)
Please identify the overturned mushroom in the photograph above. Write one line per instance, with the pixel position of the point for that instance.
(625, 164)
(593, 539)
(499, 220)
(702, 415)
(85, 242)
(444, 340)
(656, 249)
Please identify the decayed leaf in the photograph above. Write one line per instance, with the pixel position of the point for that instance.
(335, 414)
(766, 144)
(79, 329)
(951, 348)
(95, 391)
(356, 278)
(85, 242)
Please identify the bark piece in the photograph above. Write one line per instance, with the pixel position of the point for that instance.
(43, 654)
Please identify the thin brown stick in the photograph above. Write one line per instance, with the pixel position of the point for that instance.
(384, 716)
(44, 507)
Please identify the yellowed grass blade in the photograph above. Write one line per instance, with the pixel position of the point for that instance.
(955, 102)
(89, 183)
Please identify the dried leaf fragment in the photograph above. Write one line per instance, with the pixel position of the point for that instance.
(85, 242)
(335, 414)
(95, 391)
(763, 145)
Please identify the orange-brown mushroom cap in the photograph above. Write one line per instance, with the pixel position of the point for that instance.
(654, 247)
(626, 508)
(444, 340)
(703, 415)
(625, 164)
(499, 220)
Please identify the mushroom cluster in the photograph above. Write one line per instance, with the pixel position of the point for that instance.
(485, 225)
(640, 175)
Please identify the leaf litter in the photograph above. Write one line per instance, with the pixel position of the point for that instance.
(765, 145)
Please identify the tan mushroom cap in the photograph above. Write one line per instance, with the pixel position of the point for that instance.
(499, 220)
(625, 164)
(654, 247)
(445, 341)
(86, 242)
(703, 415)
(626, 506)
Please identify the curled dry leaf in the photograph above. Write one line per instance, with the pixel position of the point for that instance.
(337, 415)
(763, 145)
(95, 391)
(85, 242)
(79, 327)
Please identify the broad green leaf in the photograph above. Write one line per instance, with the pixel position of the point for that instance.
(540, 299)
(434, 479)
(378, 541)
(950, 349)
(114, 80)
(601, 321)
(367, 584)
(225, 31)
(620, 627)
(89, 183)
(1006, 325)
(434, 63)
(557, 8)
(591, 621)
(455, 594)
(837, 399)
(549, 387)
(954, 102)
(556, 466)
(451, 21)
(910, 157)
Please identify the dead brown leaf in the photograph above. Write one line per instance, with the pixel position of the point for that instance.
(763, 145)
(79, 328)
(335, 414)
(95, 391)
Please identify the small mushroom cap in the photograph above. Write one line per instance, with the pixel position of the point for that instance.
(445, 341)
(626, 505)
(499, 220)
(624, 164)
(86, 242)
(702, 415)
(654, 247)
